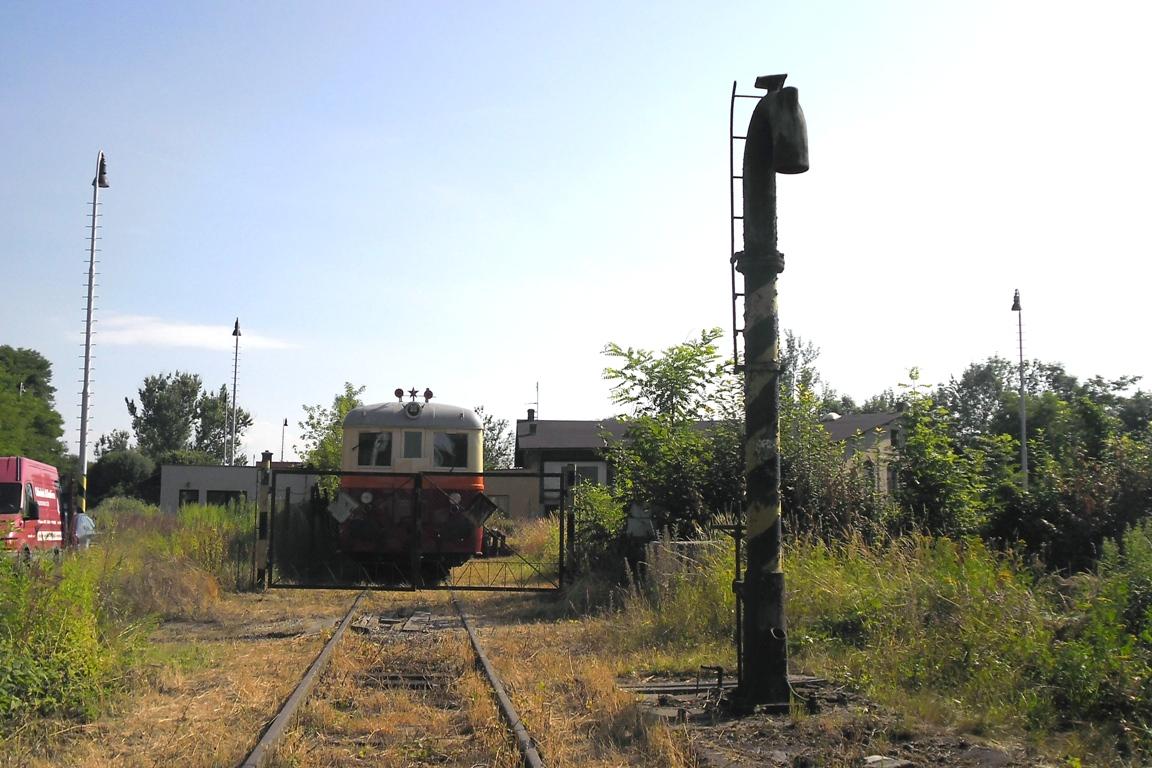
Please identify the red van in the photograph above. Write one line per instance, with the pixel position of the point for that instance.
(29, 505)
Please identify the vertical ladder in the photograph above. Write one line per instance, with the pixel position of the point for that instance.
(733, 178)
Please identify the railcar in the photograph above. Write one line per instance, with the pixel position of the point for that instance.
(411, 486)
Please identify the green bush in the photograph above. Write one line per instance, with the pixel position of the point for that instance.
(60, 652)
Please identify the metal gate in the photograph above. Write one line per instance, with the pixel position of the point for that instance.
(398, 531)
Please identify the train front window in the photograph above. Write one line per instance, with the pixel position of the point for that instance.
(451, 450)
(374, 449)
(413, 445)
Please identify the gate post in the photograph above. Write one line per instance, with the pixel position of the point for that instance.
(261, 552)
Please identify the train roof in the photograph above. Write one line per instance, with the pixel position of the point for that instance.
(430, 416)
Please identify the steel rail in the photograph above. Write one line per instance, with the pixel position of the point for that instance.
(265, 749)
(527, 747)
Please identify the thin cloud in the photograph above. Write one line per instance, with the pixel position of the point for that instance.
(140, 331)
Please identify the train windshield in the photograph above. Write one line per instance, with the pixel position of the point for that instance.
(374, 449)
(451, 449)
(10, 498)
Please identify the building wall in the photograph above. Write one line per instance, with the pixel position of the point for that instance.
(197, 482)
(206, 484)
(518, 495)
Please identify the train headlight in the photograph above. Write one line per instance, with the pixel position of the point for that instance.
(366, 497)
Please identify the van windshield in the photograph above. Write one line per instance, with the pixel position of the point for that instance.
(10, 494)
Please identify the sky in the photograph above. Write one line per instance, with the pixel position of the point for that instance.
(478, 197)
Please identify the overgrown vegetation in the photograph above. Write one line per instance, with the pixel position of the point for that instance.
(954, 592)
(69, 630)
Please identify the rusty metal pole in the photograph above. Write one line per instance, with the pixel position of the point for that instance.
(777, 142)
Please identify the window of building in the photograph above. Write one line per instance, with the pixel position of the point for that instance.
(189, 496)
(224, 498)
(374, 449)
(582, 473)
(451, 449)
(503, 501)
(413, 445)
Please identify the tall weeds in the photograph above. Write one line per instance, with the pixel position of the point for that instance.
(69, 629)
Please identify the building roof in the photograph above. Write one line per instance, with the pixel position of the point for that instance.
(539, 434)
(847, 426)
(566, 434)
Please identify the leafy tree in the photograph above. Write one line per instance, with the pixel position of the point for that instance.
(677, 386)
(119, 473)
(976, 399)
(29, 423)
(116, 440)
(177, 422)
(684, 470)
(323, 429)
(941, 484)
(166, 416)
(213, 423)
(499, 442)
(823, 491)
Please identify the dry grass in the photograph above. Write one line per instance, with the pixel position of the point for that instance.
(202, 691)
(566, 693)
(358, 718)
(206, 687)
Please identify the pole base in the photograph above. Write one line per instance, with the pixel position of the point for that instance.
(741, 704)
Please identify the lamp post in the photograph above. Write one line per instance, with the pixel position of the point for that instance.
(283, 429)
(99, 181)
(235, 367)
(1023, 409)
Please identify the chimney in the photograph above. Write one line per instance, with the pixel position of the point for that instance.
(531, 414)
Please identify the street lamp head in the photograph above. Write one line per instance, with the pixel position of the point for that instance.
(101, 179)
(236, 329)
(1016, 301)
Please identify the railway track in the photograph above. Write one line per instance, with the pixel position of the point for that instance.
(427, 675)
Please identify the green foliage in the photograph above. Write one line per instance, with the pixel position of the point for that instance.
(214, 422)
(323, 433)
(941, 483)
(683, 470)
(683, 474)
(499, 441)
(164, 419)
(683, 383)
(116, 440)
(175, 415)
(60, 651)
(599, 525)
(323, 429)
(683, 602)
(29, 423)
(119, 473)
(823, 492)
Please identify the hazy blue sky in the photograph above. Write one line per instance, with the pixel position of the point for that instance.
(474, 197)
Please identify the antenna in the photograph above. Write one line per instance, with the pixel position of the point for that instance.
(536, 402)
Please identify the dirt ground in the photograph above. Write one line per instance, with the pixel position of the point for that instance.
(827, 727)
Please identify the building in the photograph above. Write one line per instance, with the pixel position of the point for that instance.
(872, 439)
(549, 448)
(577, 447)
(182, 484)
